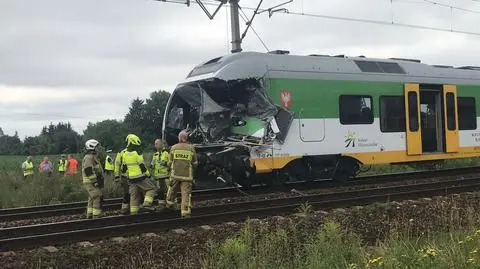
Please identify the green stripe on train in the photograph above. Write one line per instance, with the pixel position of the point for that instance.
(320, 98)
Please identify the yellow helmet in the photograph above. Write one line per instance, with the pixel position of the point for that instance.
(132, 139)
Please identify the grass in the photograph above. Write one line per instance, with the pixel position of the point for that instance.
(15, 191)
(443, 234)
(333, 247)
(42, 190)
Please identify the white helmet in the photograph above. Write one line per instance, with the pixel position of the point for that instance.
(91, 144)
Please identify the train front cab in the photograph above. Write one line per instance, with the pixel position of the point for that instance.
(432, 131)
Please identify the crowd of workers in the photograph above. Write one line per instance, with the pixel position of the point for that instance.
(169, 170)
(65, 166)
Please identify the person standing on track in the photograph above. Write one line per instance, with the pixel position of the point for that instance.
(133, 166)
(121, 178)
(93, 179)
(182, 162)
(160, 171)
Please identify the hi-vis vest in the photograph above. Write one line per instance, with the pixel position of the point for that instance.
(118, 163)
(61, 165)
(159, 170)
(132, 160)
(28, 168)
(109, 164)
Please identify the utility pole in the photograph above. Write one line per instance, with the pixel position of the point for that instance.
(234, 17)
(235, 25)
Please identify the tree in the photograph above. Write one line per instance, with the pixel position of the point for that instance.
(110, 133)
(148, 115)
(155, 108)
(10, 145)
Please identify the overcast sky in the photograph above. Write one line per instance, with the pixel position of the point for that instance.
(85, 60)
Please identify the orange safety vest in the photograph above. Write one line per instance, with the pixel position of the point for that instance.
(72, 167)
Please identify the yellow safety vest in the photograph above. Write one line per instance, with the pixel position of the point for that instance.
(118, 163)
(159, 170)
(28, 168)
(61, 165)
(109, 164)
(133, 160)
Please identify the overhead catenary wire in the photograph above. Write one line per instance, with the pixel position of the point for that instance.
(253, 29)
(368, 21)
(436, 3)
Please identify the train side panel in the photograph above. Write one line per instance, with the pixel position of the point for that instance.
(317, 129)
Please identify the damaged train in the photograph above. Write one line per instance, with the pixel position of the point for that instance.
(275, 117)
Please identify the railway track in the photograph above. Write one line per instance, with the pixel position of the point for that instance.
(71, 231)
(43, 211)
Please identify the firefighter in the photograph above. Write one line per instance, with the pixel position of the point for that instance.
(93, 179)
(160, 171)
(61, 164)
(137, 174)
(122, 179)
(182, 162)
(109, 165)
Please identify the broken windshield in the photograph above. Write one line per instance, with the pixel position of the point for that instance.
(215, 106)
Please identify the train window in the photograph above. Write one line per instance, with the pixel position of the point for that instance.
(450, 111)
(356, 109)
(413, 111)
(467, 114)
(392, 114)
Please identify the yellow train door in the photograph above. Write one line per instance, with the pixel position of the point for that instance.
(412, 111)
(450, 113)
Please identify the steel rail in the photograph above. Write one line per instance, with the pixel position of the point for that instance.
(71, 231)
(20, 213)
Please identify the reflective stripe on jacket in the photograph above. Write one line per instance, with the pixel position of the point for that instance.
(159, 164)
(132, 161)
(91, 161)
(118, 163)
(109, 164)
(182, 161)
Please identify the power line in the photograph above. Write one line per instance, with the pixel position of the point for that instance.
(330, 17)
(431, 2)
(387, 23)
(253, 29)
(451, 7)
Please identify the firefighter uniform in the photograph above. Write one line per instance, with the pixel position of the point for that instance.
(92, 174)
(160, 172)
(182, 161)
(137, 174)
(122, 179)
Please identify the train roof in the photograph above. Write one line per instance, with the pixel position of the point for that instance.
(282, 64)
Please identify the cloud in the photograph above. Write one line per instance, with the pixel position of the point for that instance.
(85, 60)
